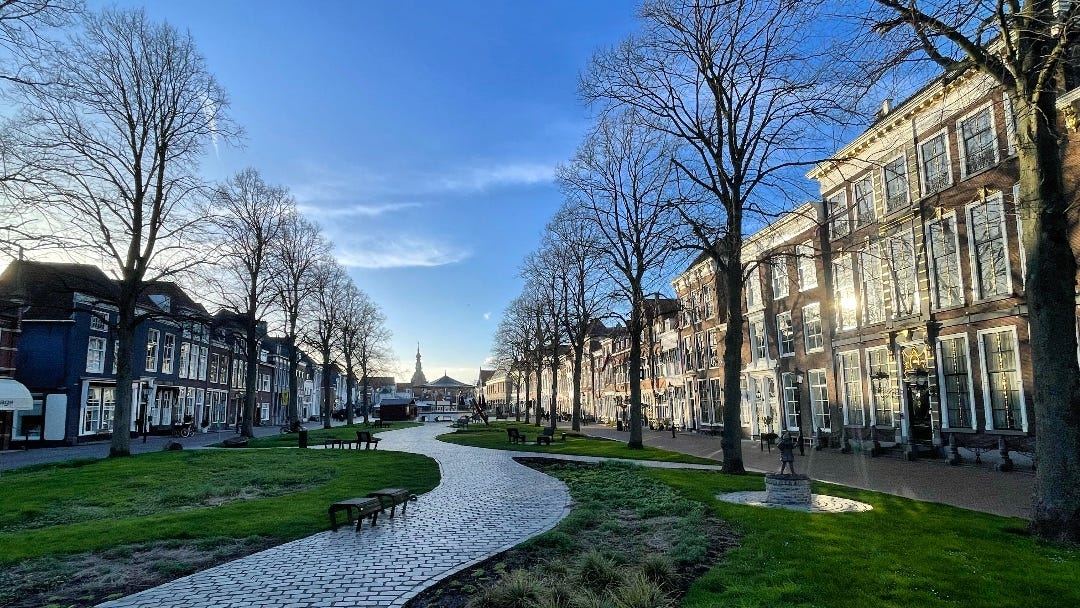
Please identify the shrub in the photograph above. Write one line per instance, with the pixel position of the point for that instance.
(659, 569)
(640, 592)
(519, 589)
(599, 572)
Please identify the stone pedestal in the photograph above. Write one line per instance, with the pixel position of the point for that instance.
(787, 489)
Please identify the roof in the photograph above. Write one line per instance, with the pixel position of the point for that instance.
(47, 287)
(485, 375)
(447, 382)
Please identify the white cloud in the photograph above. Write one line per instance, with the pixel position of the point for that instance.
(475, 179)
(402, 253)
(355, 210)
(487, 316)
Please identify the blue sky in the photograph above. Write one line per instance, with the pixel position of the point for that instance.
(422, 136)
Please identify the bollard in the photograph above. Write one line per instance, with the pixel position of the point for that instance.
(303, 437)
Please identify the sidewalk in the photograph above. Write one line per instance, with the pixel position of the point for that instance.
(970, 487)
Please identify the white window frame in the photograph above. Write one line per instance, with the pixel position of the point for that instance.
(753, 287)
(836, 206)
(759, 342)
(1010, 123)
(859, 201)
(99, 320)
(782, 319)
(1020, 234)
(870, 257)
(203, 356)
(845, 381)
(792, 411)
(905, 181)
(183, 367)
(988, 411)
(894, 283)
(822, 417)
(778, 272)
(946, 423)
(807, 265)
(976, 280)
(168, 350)
(923, 178)
(892, 388)
(844, 280)
(935, 295)
(95, 357)
(153, 337)
(988, 108)
(806, 332)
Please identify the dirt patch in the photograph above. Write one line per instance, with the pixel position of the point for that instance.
(87, 579)
(626, 532)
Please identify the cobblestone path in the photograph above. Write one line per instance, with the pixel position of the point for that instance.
(485, 504)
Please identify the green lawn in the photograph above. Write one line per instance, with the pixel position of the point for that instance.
(903, 553)
(317, 434)
(494, 436)
(281, 494)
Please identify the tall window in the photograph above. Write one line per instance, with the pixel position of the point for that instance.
(758, 348)
(98, 409)
(854, 412)
(1003, 390)
(115, 352)
(978, 147)
(840, 217)
(882, 391)
(844, 299)
(699, 351)
(785, 334)
(956, 382)
(894, 175)
(873, 290)
(807, 270)
(707, 297)
(203, 352)
(945, 260)
(990, 253)
(753, 290)
(167, 351)
(95, 355)
(791, 400)
(811, 320)
(901, 264)
(819, 398)
(935, 164)
(184, 366)
(864, 201)
(714, 352)
(213, 368)
(152, 338)
(779, 278)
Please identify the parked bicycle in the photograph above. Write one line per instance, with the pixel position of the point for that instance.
(183, 429)
(292, 427)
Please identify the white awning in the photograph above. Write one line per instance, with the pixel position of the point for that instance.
(14, 396)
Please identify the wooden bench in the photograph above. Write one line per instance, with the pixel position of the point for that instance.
(363, 507)
(547, 435)
(515, 436)
(394, 496)
(344, 444)
(366, 438)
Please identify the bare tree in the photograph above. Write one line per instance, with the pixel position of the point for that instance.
(584, 290)
(365, 340)
(293, 275)
(114, 123)
(250, 218)
(352, 301)
(25, 27)
(1029, 48)
(736, 82)
(544, 271)
(622, 180)
(513, 343)
(323, 335)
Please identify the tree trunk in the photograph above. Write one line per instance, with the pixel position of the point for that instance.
(1050, 288)
(579, 355)
(251, 378)
(538, 407)
(294, 382)
(125, 353)
(366, 386)
(554, 413)
(528, 387)
(326, 411)
(731, 438)
(634, 327)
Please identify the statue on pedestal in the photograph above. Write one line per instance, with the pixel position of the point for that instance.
(786, 446)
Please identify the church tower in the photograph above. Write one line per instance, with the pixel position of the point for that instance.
(418, 378)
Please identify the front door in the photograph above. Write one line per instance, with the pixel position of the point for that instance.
(919, 405)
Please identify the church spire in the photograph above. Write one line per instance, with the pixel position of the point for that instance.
(418, 378)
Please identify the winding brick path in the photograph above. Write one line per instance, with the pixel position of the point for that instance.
(485, 504)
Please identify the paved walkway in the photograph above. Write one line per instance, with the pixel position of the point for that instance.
(485, 504)
(979, 488)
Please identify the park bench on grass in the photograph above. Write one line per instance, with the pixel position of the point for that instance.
(364, 507)
(395, 496)
(344, 444)
(462, 422)
(366, 438)
(547, 435)
(514, 436)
